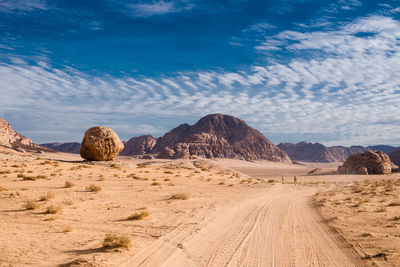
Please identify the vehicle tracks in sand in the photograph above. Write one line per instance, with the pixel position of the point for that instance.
(272, 227)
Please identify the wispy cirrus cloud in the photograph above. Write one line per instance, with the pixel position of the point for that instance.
(160, 7)
(11, 6)
(348, 94)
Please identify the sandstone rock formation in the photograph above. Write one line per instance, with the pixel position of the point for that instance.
(139, 145)
(218, 136)
(369, 162)
(10, 139)
(100, 143)
(71, 147)
(316, 152)
(395, 157)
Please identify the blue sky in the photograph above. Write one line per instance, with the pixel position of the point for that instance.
(325, 71)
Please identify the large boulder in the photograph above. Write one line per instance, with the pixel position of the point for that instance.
(100, 143)
(369, 162)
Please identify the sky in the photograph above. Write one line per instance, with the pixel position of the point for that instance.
(319, 71)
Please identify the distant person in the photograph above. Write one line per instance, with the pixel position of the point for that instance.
(295, 180)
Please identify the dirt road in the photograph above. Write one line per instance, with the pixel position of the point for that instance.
(273, 227)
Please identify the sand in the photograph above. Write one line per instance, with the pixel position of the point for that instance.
(199, 213)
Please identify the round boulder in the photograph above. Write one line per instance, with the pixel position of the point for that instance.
(369, 162)
(100, 143)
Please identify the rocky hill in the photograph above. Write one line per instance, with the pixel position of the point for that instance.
(10, 139)
(218, 136)
(316, 152)
(72, 147)
(139, 145)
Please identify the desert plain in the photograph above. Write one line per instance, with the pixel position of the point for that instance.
(58, 210)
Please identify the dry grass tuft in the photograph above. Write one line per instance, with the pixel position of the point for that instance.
(181, 196)
(68, 184)
(93, 188)
(67, 229)
(30, 205)
(155, 183)
(116, 241)
(138, 216)
(52, 209)
(46, 197)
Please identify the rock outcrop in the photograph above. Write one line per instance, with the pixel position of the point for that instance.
(139, 145)
(100, 143)
(395, 156)
(71, 147)
(316, 152)
(218, 136)
(369, 162)
(10, 139)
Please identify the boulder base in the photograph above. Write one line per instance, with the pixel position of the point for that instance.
(100, 143)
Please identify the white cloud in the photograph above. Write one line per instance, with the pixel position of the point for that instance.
(158, 8)
(10, 6)
(349, 94)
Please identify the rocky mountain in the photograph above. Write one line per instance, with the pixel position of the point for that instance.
(316, 152)
(139, 145)
(384, 148)
(10, 139)
(395, 156)
(72, 147)
(218, 136)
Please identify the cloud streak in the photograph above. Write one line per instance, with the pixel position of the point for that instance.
(348, 94)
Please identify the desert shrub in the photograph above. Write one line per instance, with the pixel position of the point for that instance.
(155, 183)
(168, 172)
(52, 209)
(30, 205)
(29, 178)
(138, 216)
(116, 241)
(181, 196)
(68, 184)
(67, 229)
(46, 197)
(167, 179)
(93, 188)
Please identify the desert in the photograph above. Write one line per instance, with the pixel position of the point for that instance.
(199, 133)
(58, 209)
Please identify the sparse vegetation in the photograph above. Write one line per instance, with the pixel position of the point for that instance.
(68, 184)
(67, 229)
(155, 183)
(168, 172)
(138, 216)
(30, 205)
(93, 188)
(112, 241)
(52, 209)
(181, 196)
(46, 197)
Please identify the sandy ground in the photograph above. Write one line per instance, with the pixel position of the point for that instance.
(367, 213)
(199, 213)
